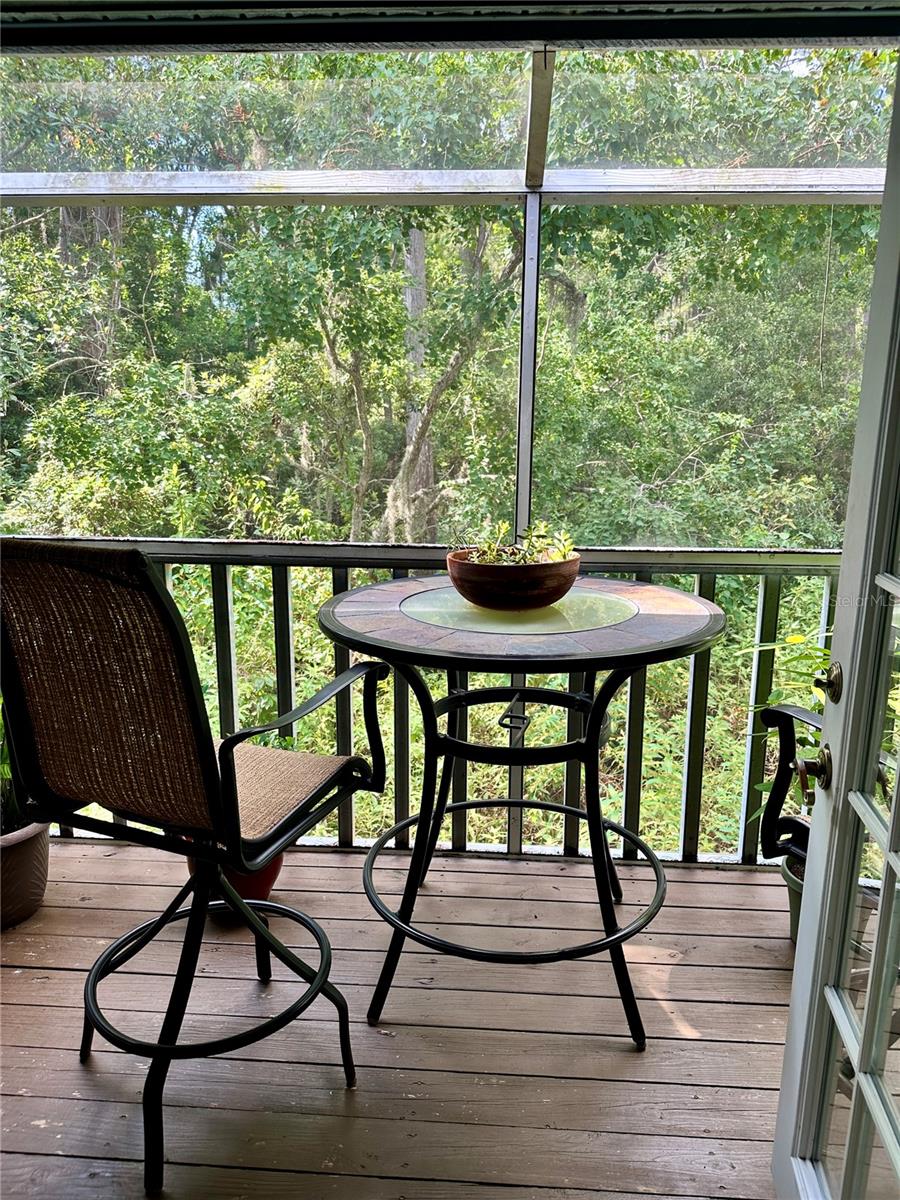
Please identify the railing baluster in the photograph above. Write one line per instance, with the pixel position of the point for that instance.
(760, 687)
(695, 738)
(459, 823)
(572, 785)
(283, 623)
(634, 747)
(226, 659)
(401, 748)
(340, 582)
(516, 786)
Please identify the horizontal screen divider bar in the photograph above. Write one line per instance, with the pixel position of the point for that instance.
(264, 187)
(739, 185)
(659, 560)
(841, 185)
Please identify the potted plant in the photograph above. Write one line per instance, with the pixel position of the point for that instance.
(532, 573)
(24, 851)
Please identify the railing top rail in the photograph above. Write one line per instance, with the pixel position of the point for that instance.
(658, 559)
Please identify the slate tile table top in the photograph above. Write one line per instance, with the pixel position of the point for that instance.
(601, 624)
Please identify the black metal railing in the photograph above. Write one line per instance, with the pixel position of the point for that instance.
(770, 569)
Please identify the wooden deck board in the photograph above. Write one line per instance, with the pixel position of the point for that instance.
(107, 1179)
(484, 1080)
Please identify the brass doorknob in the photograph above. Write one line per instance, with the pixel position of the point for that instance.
(832, 682)
(819, 768)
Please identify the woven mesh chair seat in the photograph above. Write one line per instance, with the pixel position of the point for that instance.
(272, 783)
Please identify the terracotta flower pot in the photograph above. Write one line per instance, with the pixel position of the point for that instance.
(510, 586)
(24, 858)
(255, 885)
(252, 885)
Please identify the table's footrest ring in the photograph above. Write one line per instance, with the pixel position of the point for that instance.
(132, 1045)
(582, 950)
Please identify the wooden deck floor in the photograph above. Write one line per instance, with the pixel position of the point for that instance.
(489, 1082)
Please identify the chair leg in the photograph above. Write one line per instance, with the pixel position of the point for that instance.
(133, 947)
(329, 991)
(263, 957)
(337, 998)
(87, 1039)
(168, 1036)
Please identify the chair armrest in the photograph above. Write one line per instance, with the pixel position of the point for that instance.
(781, 714)
(780, 835)
(370, 671)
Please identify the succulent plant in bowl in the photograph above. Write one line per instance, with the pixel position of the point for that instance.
(533, 572)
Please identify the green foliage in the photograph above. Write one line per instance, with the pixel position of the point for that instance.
(11, 817)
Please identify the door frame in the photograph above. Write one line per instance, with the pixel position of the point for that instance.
(873, 517)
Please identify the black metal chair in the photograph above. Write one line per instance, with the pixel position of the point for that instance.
(779, 834)
(103, 707)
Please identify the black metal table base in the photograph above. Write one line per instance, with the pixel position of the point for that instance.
(206, 882)
(591, 710)
(479, 954)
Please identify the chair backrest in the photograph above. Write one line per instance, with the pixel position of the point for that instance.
(102, 700)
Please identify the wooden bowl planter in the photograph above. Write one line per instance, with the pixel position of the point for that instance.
(24, 859)
(511, 586)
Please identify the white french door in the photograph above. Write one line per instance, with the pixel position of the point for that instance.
(838, 1129)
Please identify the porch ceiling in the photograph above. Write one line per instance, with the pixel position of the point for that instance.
(83, 25)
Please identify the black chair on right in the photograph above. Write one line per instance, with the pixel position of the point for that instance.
(779, 834)
(103, 710)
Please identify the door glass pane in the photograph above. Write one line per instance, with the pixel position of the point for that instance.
(860, 933)
(883, 1182)
(888, 720)
(886, 1049)
(837, 1115)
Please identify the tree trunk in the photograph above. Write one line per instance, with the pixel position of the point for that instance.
(406, 500)
(353, 370)
(89, 238)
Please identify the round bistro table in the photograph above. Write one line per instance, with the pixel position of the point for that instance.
(602, 625)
